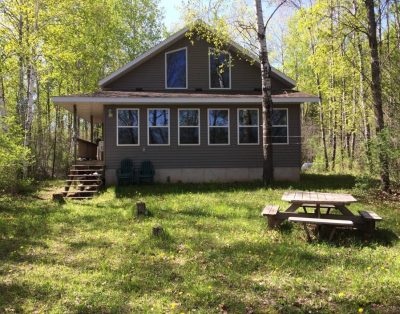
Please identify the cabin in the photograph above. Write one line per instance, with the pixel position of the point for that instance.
(174, 106)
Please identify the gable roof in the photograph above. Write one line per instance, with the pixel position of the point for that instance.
(168, 42)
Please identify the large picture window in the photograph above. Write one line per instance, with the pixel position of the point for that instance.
(218, 126)
(176, 69)
(127, 127)
(158, 126)
(248, 126)
(280, 129)
(189, 126)
(219, 69)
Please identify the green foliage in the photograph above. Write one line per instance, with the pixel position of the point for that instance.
(387, 144)
(50, 48)
(14, 157)
(327, 51)
(217, 254)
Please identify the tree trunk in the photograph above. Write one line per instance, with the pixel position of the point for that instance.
(321, 108)
(376, 88)
(3, 109)
(397, 22)
(334, 141)
(364, 112)
(55, 145)
(20, 94)
(266, 97)
(343, 124)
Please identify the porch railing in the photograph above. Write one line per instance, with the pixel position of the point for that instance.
(86, 149)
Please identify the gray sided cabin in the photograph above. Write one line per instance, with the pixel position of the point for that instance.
(194, 123)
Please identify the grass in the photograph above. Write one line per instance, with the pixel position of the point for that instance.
(216, 255)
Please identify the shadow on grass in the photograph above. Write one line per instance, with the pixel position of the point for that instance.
(23, 223)
(351, 238)
(347, 237)
(307, 182)
(12, 295)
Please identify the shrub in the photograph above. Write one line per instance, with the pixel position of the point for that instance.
(14, 156)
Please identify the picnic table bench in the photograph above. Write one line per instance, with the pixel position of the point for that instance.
(317, 201)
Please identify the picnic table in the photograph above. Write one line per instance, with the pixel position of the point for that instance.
(318, 201)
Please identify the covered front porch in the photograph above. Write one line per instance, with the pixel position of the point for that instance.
(88, 131)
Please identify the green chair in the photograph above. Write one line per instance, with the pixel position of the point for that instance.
(126, 172)
(146, 172)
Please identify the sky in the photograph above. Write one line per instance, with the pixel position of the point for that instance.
(173, 22)
(172, 14)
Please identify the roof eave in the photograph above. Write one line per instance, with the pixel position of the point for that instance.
(178, 100)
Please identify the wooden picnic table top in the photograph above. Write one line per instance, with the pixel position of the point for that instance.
(318, 198)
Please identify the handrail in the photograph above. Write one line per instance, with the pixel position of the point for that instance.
(85, 141)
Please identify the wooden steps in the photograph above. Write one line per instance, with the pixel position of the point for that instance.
(80, 197)
(87, 170)
(84, 181)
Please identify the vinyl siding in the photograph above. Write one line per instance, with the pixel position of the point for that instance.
(150, 75)
(203, 155)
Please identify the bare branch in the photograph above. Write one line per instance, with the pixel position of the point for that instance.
(273, 13)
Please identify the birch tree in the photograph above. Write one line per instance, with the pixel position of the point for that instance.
(266, 103)
(236, 22)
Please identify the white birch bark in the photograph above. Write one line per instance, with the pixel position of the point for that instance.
(266, 96)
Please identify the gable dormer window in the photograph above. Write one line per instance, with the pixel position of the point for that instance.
(176, 69)
(219, 69)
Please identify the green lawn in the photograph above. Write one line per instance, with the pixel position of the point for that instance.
(217, 254)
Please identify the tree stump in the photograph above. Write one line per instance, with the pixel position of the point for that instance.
(158, 231)
(58, 197)
(141, 209)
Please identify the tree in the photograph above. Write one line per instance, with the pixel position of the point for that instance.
(376, 88)
(225, 25)
(359, 116)
(266, 103)
(64, 47)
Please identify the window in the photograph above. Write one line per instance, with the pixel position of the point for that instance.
(280, 129)
(219, 68)
(218, 126)
(176, 69)
(127, 127)
(248, 126)
(189, 126)
(158, 126)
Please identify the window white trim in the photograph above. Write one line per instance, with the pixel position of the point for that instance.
(209, 71)
(228, 126)
(131, 127)
(248, 126)
(148, 127)
(179, 127)
(283, 125)
(165, 75)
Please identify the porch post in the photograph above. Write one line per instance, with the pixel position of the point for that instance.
(91, 128)
(75, 134)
